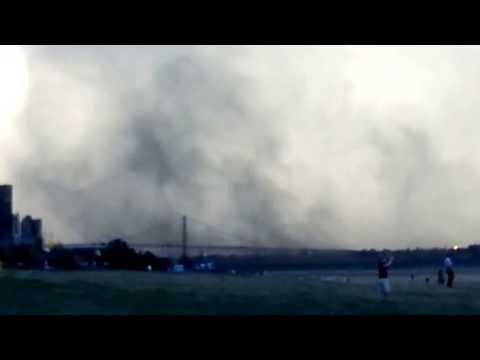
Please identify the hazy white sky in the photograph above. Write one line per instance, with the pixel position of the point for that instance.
(357, 146)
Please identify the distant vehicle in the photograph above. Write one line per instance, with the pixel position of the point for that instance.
(178, 268)
(208, 266)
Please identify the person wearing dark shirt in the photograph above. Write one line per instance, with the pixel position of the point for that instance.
(441, 277)
(384, 283)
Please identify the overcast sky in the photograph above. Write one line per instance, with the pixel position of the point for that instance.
(322, 146)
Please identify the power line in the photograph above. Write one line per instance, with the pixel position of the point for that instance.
(149, 229)
(218, 230)
(200, 222)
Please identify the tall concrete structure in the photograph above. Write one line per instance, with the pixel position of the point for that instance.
(31, 232)
(6, 216)
(17, 232)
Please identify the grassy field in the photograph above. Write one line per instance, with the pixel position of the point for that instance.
(292, 293)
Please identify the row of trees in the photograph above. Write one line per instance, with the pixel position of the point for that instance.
(116, 255)
(333, 259)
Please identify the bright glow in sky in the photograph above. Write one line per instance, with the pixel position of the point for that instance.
(13, 82)
(13, 94)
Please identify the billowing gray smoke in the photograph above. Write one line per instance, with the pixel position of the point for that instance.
(309, 146)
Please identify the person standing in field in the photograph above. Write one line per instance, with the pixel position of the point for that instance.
(448, 265)
(384, 264)
(441, 277)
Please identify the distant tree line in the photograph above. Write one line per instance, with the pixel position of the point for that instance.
(118, 255)
(334, 259)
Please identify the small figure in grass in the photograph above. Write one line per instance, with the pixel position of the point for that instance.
(441, 277)
(412, 276)
(427, 280)
(383, 265)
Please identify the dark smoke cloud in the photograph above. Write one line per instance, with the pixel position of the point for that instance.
(145, 154)
(308, 146)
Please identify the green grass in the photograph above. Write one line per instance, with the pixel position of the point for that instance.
(301, 293)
